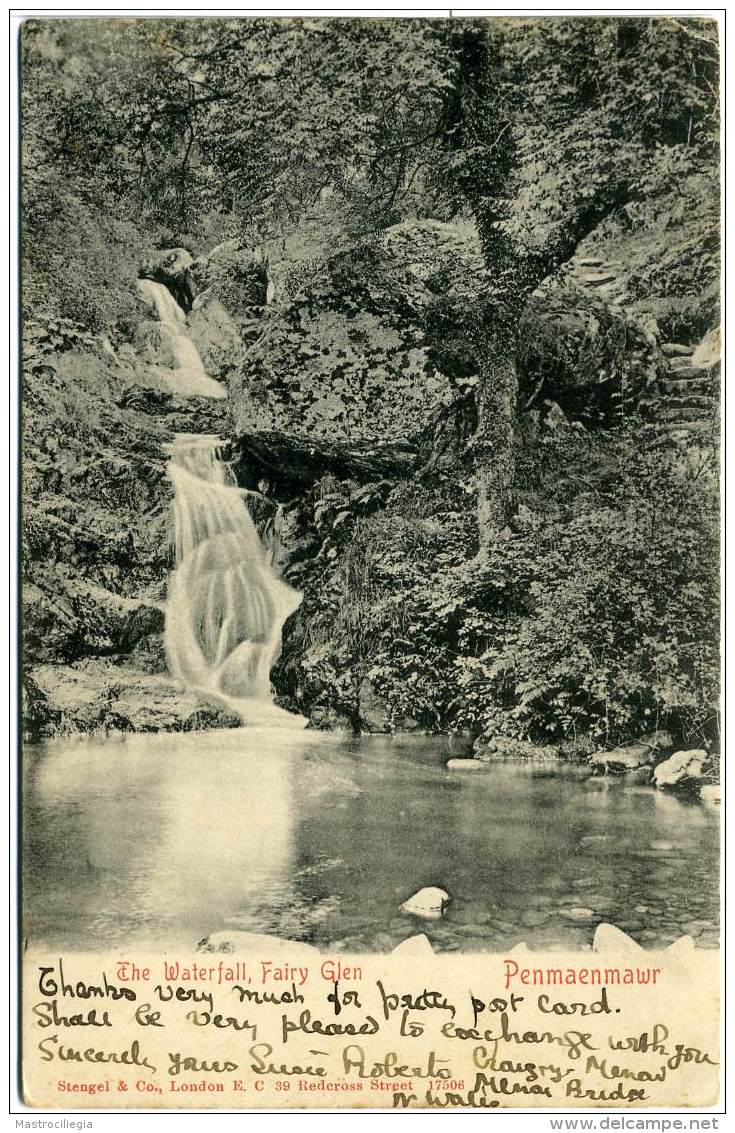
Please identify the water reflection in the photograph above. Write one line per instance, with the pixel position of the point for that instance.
(160, 840)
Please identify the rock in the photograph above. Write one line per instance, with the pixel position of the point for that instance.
(660, 740)
(709, 350)
(171, 267)
(373, 709)
(96, 696)
(430, 903)
(288, 461)
(610, 939)
(418, 945)
(652, 331)
(675, 349)
(683, 769)
(194, 414)
(148, 655)
(578, 913)
(233, 940)
(631, 757)
(486, 749)
(598, 278)
(74, 616)
(464, 765)
(356, 337)
(325, 718)
(153, 344)
(216, 336)
(555, 417)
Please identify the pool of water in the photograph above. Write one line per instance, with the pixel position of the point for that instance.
(159, 840)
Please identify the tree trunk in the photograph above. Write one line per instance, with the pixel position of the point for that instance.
(494, 442)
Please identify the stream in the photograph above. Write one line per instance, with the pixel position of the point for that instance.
(157, 841)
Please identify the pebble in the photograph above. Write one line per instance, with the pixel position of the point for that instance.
(694, 928)
(578, 913)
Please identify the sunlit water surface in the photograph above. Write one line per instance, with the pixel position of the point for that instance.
(159, 840)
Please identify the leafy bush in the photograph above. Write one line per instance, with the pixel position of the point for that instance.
(601, 620)
(593, 621)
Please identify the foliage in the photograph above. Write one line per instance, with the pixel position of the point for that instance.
(340, 159)
(607, 632)
(595, 618)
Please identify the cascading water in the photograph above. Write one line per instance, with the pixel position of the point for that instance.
(189, 378)
(226, 606)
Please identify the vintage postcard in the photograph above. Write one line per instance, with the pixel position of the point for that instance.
(370, 554)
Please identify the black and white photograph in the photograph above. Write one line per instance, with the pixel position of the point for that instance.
(370, 476)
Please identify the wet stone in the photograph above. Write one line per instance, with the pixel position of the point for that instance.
(505, 926)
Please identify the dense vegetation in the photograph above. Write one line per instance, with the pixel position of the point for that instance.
(383, 210)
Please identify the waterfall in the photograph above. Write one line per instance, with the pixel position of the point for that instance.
(189, 378)
(226, 606)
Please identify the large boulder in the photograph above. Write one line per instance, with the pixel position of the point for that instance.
(579, 354)
(68, 618)
(375, 714)
(216, 335)
(348, 348)
(682, 769)
(170, 266)
(96, 696)
(709, 351)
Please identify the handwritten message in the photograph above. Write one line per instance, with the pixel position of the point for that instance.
(439, 1032)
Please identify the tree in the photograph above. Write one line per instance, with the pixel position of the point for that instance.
(555, 124)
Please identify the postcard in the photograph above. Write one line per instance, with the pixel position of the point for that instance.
(370, 530)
